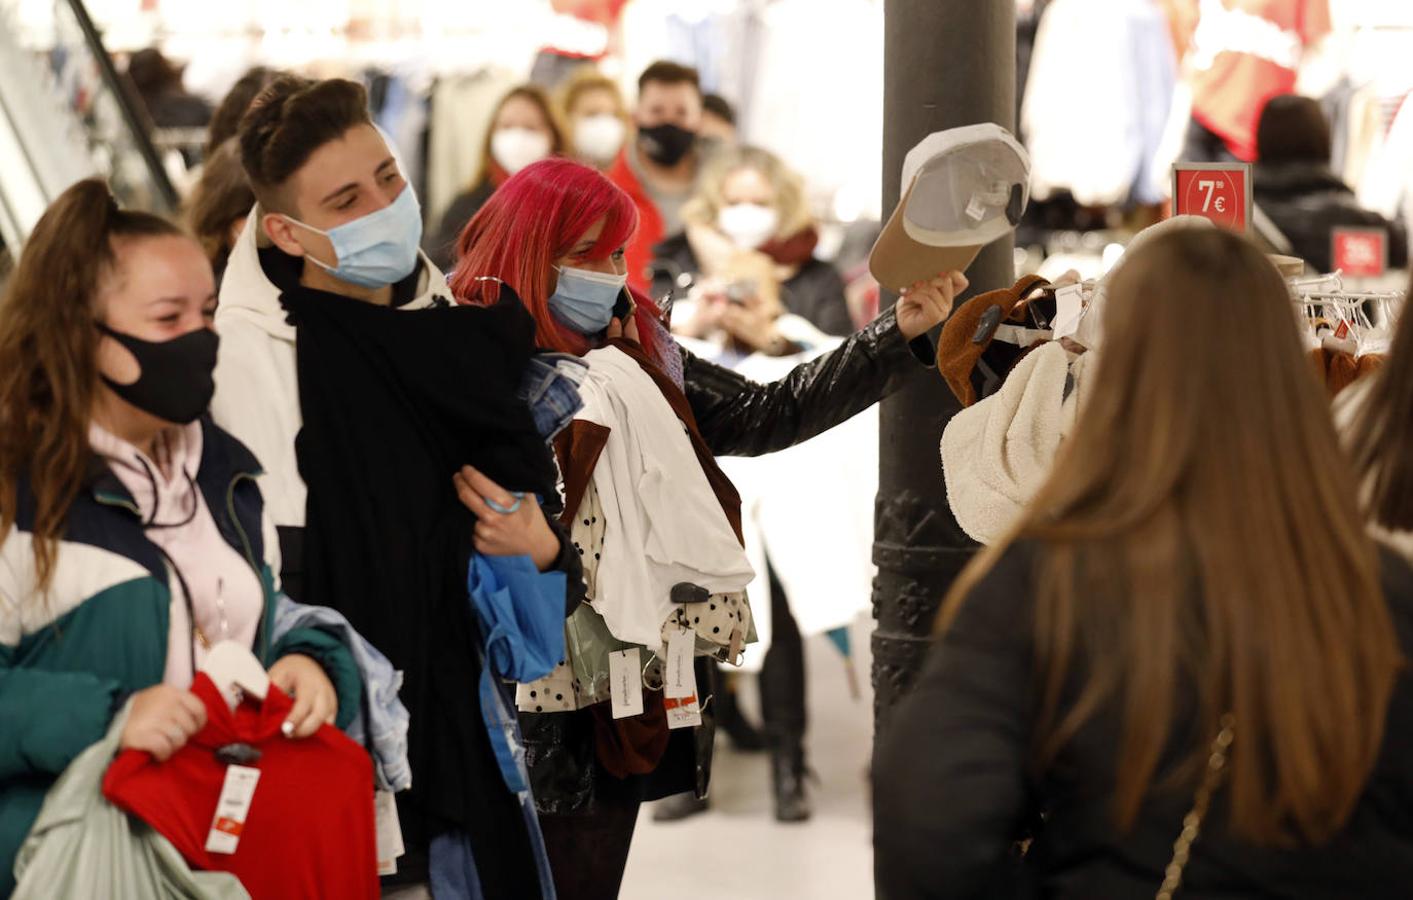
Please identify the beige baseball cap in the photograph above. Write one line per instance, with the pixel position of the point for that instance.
(962, 189)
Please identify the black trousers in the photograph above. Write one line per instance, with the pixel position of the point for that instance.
(588, 853)
(782, 677)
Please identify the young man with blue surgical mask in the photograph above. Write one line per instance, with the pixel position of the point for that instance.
(364, 391)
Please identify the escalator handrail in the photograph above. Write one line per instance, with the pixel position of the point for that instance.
(131, 116)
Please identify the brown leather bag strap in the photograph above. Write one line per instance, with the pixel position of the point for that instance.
(1026, 285)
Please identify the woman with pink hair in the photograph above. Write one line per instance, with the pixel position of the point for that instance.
(554, 235)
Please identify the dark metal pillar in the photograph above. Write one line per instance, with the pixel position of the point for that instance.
(947, 63)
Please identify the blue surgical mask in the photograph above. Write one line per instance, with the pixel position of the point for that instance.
(584, 300)
(378, 249)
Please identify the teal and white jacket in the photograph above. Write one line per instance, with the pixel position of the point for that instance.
(69, 658)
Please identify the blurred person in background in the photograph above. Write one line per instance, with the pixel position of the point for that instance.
(219, 204)
(226, 120)
(748, 242)
(158, 82)
(1186, 664)
(524, 129)
(1241, 53)
(1294, 185)
(749, 229)
(1376, 417)
(718, 120)
(596, 118)
(659, 170)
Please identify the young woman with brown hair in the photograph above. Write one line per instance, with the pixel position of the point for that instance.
(525, 128)
(1191, 608)
(1377, 416)
(132, 534)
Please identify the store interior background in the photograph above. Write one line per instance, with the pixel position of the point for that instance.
(806, 77)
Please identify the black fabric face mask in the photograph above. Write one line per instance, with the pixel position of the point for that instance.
(177, 379)
(666, 144)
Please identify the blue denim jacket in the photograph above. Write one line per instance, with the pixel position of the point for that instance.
(550, 388)
(385, 728)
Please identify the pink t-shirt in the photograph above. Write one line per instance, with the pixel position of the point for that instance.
(226, 594)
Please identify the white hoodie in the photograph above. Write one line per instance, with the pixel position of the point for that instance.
(257, 386)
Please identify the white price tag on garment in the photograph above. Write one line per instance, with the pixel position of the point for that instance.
(976, 209)
(625, 674)
(390, 846)
(681, 677)
(232, 809)
(682, 712)
(1069, 309)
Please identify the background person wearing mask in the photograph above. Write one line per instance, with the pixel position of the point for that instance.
(596, 117)
(751, 238)
(1294, 185)
(132, 537)
(524, 129)
(659, 169)
(1188, 657)
(749, 228)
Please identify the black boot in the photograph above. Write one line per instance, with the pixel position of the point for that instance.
(679, 807)
(744, 737)
(789, 773)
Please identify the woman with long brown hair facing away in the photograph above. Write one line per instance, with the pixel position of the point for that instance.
(1185, 665)
(1376, 419)
(132, 533)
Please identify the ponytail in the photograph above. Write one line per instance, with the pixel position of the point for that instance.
(48, 345)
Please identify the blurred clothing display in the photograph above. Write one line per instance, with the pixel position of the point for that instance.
(1243, 53)
(1128, 70)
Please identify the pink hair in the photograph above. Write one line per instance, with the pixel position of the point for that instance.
(535, 218)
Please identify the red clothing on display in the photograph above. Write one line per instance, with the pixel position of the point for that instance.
(1245, 52)
(651, 230)
(310, 829)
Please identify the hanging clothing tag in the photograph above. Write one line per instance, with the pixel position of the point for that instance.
(1069, 309)
(625, 674)
(682, 712)
(976, 209)
(232, 809)
(738, 644)
(681, 676)
(390, 846)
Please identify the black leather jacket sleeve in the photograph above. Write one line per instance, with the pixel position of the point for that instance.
(740, 417)
(951, 794)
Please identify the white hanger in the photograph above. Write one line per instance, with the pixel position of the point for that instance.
(235, 670)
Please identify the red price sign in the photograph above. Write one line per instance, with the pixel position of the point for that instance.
(1220, 192)
(1360, 252)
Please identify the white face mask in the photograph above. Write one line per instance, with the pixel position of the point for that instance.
(748, 224)
(600, 137)
(516, 148)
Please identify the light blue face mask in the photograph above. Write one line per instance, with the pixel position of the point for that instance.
(584, 300)
(378, 249)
